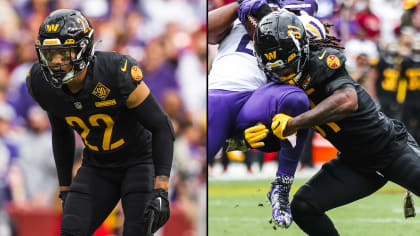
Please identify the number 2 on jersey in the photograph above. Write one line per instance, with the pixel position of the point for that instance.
(93, 121)
(245, 45)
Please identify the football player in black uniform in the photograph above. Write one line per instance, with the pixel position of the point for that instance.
(373, 148)
(128, 138)
(410, 84)
(386, 76)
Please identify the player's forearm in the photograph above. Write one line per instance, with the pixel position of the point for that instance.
(336, 107)
(151, 116)
(63, 149)
(220, 22)
(162, 181)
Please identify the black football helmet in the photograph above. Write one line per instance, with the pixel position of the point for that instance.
(69, 34)
(281, 46)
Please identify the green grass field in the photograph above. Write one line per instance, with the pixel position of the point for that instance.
(234, 208)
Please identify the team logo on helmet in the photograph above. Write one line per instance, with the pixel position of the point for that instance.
(101, 91)
(333, 62)
(136, 73)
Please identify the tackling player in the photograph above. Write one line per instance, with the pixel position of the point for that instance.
(239, 95)
(101, 95)
(373, 148)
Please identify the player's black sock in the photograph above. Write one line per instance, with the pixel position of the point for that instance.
(311, 220)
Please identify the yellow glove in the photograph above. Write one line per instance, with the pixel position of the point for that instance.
(255, 134)
(279, 124)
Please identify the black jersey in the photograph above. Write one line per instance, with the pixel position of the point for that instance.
(410, 72)
(364, 133)
(388, 74)
(111, 134)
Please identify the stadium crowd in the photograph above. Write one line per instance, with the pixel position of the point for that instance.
(171, 49)
(382, 46)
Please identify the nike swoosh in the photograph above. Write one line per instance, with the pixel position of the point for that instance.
(323, 54)
(160, 204)
(123, 69)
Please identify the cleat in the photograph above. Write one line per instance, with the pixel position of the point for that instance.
(279, 199)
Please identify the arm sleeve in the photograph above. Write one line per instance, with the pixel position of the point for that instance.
(63, 149)
(341, 80)
(150, 114)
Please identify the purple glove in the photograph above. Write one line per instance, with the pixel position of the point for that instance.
(279, 199)
(249, 7)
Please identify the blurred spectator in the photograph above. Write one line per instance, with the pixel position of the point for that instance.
(8, 157)
(37, 164)
(326, 9)
(360, 72)
(360, 45)
(159, 73)
(192, 74)
(368, 21)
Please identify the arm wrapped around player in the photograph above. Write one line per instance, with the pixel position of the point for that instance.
(261, 138)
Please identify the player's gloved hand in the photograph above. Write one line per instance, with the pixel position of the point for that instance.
(279, 124)
(63, 197)
(157, 212)
(249, 7)
(255, 134)
(279, 199)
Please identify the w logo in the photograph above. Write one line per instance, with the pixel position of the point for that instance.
(270, 55)
(52, 28)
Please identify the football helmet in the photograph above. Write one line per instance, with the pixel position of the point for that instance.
(308, 6)
(281, 46)
(64, 46)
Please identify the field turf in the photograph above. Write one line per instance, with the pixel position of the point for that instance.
(240, 208)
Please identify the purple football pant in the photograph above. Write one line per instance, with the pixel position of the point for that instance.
(223, 108)
(263, 105)
(230, 112)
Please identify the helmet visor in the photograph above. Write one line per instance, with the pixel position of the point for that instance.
(284, 72)
(58, 58)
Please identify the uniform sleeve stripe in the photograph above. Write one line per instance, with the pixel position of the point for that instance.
(313, 26)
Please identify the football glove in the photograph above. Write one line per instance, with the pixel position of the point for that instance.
(279, 124)
(255, 134)
(157, 210)
(63, 197)
(249, 7)
(279, 199)
(409, 210)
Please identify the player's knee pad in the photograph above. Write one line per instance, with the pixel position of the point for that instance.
(72, 225)
(302, 209)
(295, 103)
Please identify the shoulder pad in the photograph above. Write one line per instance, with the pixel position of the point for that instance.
(313, 26)
(34, 73)
(129, 75)
(326, 61)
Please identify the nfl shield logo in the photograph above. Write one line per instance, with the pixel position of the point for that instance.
(78, 105)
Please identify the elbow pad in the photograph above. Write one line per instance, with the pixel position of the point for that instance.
(153, 118)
